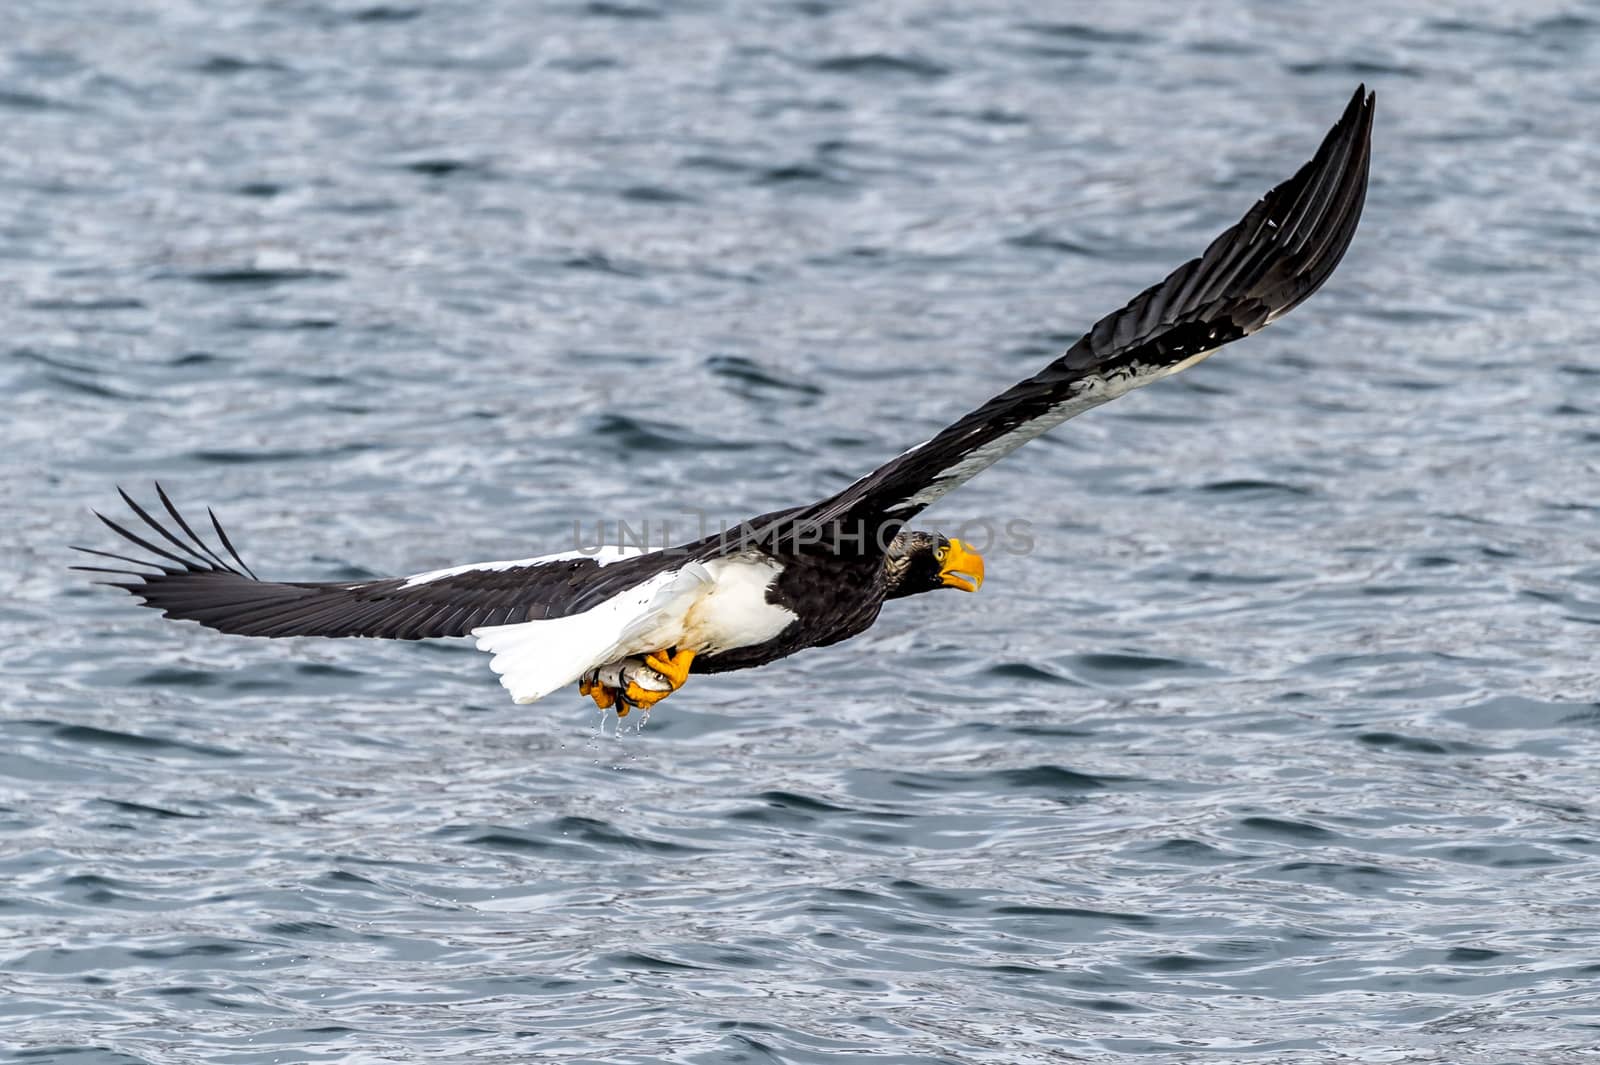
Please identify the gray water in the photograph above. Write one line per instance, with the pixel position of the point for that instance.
(1280, 745)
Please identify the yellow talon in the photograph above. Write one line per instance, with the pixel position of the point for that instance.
(643, 698)
(603, 696)
(674, 667)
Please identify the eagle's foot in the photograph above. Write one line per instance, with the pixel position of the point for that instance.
(674, 668)
(635, 682)
(604, 697)
(643, 698)
(642, 680)
(666, 666)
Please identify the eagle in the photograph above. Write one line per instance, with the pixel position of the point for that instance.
(629, 626)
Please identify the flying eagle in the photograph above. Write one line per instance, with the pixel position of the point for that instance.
(630, 626)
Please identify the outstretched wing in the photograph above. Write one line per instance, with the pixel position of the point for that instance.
(187, 579)
(1283, 249)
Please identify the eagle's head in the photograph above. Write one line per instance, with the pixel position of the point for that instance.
(923, 562)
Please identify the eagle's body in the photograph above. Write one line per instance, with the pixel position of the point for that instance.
(630, 625)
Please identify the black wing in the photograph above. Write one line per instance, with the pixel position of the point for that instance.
(1283, 249)
(189, 580)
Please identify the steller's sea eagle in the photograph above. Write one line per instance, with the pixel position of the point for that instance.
(630, 626)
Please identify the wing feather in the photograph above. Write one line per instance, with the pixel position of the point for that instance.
(191, 581)
(172, 511)
(1256, 271)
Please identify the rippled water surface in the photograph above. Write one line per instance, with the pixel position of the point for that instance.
(1280, 745)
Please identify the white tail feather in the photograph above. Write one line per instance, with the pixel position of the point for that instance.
(535, 658)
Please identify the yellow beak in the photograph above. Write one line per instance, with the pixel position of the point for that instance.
(963, 567)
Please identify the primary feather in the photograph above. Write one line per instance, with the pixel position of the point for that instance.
(1255, 272)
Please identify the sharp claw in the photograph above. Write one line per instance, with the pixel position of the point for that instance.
(629, 695)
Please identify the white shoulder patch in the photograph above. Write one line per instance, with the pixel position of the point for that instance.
(535, 658)
(604, 556)
(735, 612)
